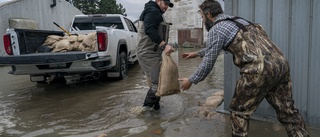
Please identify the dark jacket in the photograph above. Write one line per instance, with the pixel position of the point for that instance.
(152, 17)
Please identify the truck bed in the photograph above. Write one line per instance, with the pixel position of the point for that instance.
(30, 40)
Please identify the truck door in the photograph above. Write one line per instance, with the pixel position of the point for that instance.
(133, 34)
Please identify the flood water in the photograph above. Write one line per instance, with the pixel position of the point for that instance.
(112, 107)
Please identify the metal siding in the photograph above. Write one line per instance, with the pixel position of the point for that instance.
(314, 67)
(231, 74)
(293, 26)
(262, 16)
(246, 9)
(230, 71)
(299, 53)
(280, 24)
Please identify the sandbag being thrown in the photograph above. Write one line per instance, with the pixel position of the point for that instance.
(168, 77)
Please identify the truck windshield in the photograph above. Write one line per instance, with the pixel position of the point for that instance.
(90, 23)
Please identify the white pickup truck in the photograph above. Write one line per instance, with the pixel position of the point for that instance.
(116, 43)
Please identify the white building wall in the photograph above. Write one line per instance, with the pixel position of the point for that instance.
(184, 15)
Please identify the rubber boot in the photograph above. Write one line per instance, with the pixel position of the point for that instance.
(152, 100)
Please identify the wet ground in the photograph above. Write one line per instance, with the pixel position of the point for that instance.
(92, 108)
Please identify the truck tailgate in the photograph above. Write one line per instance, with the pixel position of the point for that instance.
(45, 58)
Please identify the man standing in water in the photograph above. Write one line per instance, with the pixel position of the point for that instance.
(151, 45)
(264, 71)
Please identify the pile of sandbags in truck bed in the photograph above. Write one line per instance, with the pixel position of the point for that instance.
(80, 42)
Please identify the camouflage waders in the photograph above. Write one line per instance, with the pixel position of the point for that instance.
(264, 74)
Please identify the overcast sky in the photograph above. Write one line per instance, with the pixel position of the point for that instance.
(4, 0)
(133, 7)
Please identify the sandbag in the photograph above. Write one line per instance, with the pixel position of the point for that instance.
(81, 37)
(75, 46)
(51, 39)
(89, 42)
(215, 100)
(61, 46)
(67, 43)
(168, 77)
(72, 38)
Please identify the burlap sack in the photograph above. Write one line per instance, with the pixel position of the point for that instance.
(72, 43)
(81, 37)
(215, 100)
(89, 42)
(51, 39)
(168, 77)
(75, 46)
(72, 38)
(61, 46)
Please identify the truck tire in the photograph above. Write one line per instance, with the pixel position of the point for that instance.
(123, 66)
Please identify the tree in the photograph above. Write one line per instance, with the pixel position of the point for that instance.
(111, 7)
(86, 6)
(99, 7)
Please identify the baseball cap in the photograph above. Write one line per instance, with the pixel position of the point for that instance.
(169, 3)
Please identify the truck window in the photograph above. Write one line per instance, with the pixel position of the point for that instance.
(130, 25)
(90, 23)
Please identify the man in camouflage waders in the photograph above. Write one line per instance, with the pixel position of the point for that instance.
(151, 45)
(264, 72)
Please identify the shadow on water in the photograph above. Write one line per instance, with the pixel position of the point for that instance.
(91, 108)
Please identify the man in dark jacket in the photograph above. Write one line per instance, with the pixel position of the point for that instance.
(151, 46)
(264, 71)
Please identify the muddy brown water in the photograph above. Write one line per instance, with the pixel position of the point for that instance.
(112, 107)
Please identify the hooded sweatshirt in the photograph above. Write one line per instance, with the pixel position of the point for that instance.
(152, 17)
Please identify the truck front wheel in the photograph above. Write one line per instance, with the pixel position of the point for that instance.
(123, 66)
